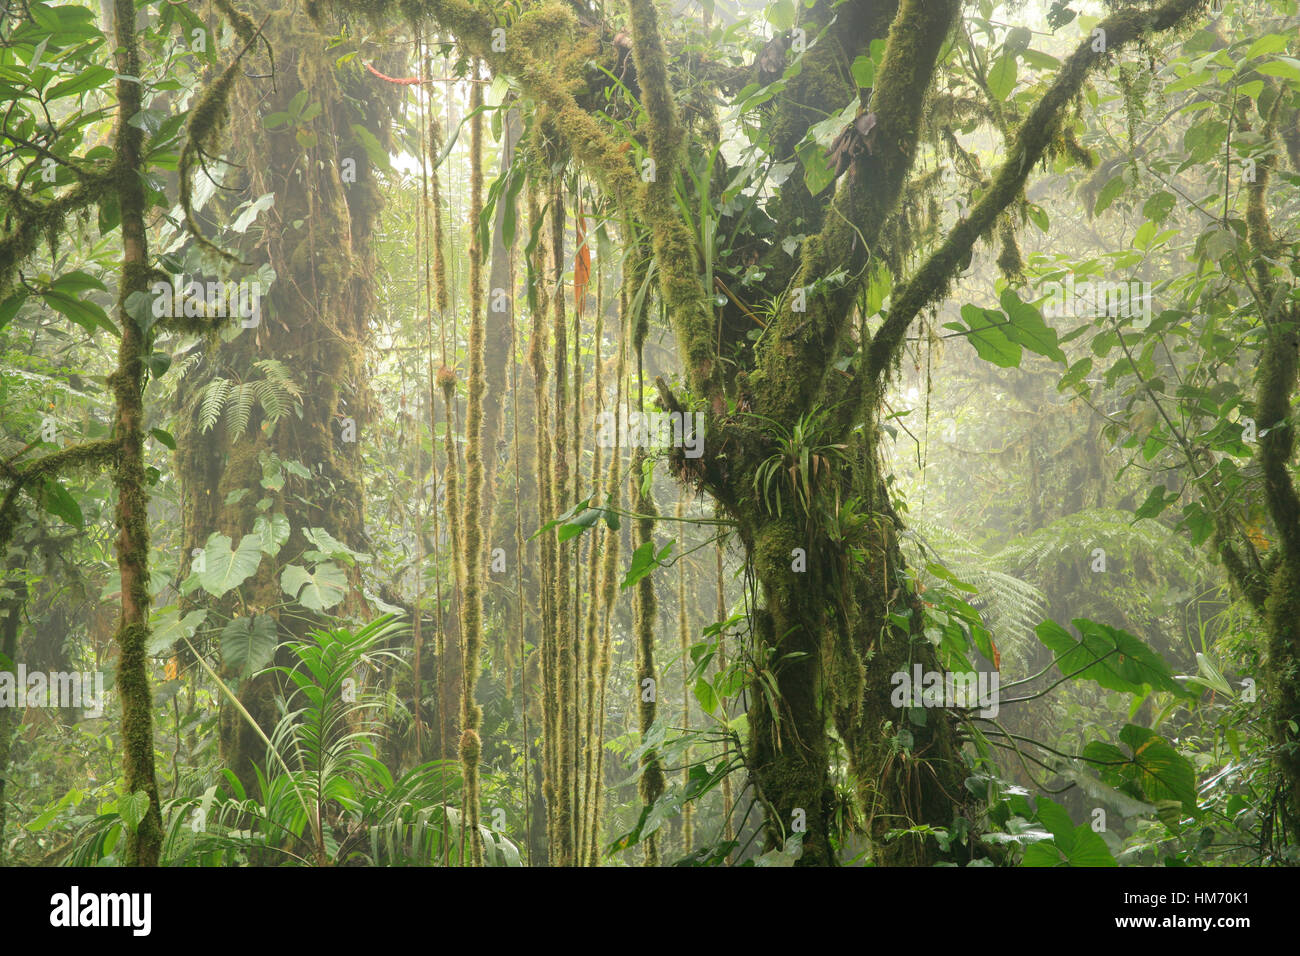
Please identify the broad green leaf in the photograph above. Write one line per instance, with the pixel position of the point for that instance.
(1192, 81)
(1284, 66)
(76, 281)
(248, 644)
(781, 14)
(1085, 848)
(1113, 658)
(1157, 500)
(251, 212)
(1089, 783)
(1109, 193)
(705, 694)
(89, 78)
(864, 72)
(1153, 768)
(1204, 140)
(273, 532)
(132, 809)
(1269, 43)
(374, 150)
(1057, 821)
(576, 525)
(331, 548)
(554, 522)
(169, 627)
(1075, 376)
(72, 798)
(644, 560)
(88, 315)
(943, 574)
(225, 567)
(988, 338)
(1158, 206)
(817, 173)
(318, 590)
(1002, 77)
(164, 438)
(1040, 60)
(10, 306)
(57, 501)
(787, 855)
(1028, 328)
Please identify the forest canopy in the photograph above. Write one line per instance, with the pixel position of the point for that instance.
(614, 432)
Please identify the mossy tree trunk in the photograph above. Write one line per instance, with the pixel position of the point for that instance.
(1275, 588)
(790, 383)
(317, 237)
(144, 845)
(11, 608)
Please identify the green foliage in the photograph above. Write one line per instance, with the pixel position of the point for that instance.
(248, 644)
(1113, 658)
(277, 394)
(325, 797)
(226, 567)
(801, 466)
(1150, 769)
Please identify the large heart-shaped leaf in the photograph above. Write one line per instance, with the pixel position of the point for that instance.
(316, 590)
(331, 548)
(225, 567)
(248, 644)
(1079, 847)
(1154, 770)
(987, 334)
(273, 530)
(132, 809)
(169, 627)
(1069, 845)
(1113, 658)
(1027, 328)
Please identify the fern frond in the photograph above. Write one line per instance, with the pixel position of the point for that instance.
(214, 399)
(276, 373)
(1074, 537)
(240, 408)
(1012, 607)
(271, 399)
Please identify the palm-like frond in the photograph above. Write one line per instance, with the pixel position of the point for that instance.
(277, 394)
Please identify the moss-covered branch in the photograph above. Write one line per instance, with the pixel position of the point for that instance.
(932, 280)
(96, 454)
(798, 348)
(1279, 376)
(1279, 370)
(837, 31)
(689, 304)
(527, 52)
(472, 617)
(33, 219)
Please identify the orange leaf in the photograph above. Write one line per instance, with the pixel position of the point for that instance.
(404, 81)
(581, 263)
(997, 656)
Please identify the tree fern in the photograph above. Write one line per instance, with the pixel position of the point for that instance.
(1012, 607)
(1074, 537)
